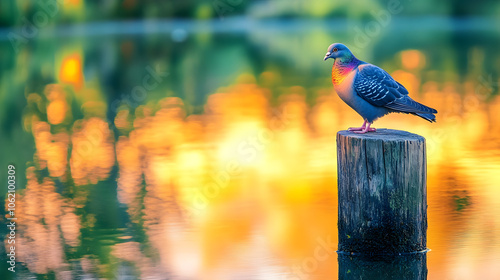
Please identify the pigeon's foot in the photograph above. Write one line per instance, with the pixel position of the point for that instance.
(363, 129)
(367, 129)
(358, 128)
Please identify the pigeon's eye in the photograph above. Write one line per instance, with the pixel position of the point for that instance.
(335, 49)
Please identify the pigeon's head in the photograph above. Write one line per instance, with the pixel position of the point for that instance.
(338, 50)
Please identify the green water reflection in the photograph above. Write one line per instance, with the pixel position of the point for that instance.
(198, 154)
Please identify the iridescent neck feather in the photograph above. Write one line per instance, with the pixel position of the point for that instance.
(342, 67)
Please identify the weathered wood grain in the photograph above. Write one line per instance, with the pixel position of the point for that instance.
(382, 192)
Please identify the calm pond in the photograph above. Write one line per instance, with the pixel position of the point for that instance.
(181, 150)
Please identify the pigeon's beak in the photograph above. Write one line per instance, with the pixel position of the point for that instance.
(327, 56)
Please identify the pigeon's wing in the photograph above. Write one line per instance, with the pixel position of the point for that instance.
(378, 88)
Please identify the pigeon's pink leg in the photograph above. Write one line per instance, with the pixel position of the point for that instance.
(358, 128)
(366, 129)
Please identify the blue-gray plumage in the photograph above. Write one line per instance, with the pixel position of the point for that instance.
(369, 90)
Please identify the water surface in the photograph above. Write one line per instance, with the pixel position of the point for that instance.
(199, 153)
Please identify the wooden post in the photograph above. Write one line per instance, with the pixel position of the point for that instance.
(407, 267)
(382, 192)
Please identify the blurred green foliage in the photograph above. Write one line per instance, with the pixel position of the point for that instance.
(17, 13)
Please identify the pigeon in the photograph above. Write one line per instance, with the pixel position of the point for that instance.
(370, 90)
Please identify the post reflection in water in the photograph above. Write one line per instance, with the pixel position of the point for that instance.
(246, 189)
(407, 267)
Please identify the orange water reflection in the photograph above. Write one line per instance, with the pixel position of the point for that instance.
(248, 189)
(71, 70)
(48, 223)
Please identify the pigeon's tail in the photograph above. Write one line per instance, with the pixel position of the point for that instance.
(427, 117)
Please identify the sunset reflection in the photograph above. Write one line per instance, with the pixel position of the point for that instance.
(249, 178)
(71, 71)
(92, 155)
(48, 224)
